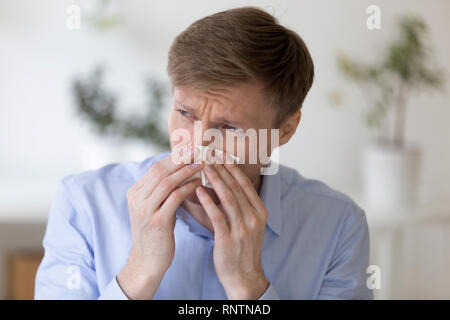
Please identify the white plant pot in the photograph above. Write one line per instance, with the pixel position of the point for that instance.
(391, 175)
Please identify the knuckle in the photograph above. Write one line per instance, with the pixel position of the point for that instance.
(235, 185)
(228, 195)
(131, 191)
(132, 202)
(253, 222)
(191, 168)
(157, 169)
(246, 183)
(207, 201)
(214, 218)
(166, 183)
(175, 195)
(188, 171)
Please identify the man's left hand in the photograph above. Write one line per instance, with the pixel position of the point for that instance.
(238, 231)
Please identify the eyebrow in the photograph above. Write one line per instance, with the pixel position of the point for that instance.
(220, 120)
(191, 110)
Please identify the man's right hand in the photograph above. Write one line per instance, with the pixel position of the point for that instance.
(152, 202)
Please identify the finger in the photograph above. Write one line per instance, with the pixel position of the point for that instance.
(155, 174)
(184, 153)
(214, 213)
(171, 182)
(177, 196)
(161, 169)
(213, 156)
(235, 187)
(224, 193)
(246, 186)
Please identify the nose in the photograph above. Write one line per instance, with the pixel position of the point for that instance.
(203, 134)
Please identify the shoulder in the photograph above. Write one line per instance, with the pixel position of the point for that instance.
(109, 179)
(112, 173)
(314, 198)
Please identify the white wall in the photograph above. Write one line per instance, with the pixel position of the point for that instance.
(42, 139)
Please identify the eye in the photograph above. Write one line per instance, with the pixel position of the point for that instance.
(184, 113)
(227, 127)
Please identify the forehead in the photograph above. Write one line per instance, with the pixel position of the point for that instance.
(243, 100)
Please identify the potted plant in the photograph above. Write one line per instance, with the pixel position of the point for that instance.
(117, 138)
(392, 165)
(120, 138)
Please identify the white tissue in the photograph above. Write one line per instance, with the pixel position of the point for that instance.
(203, 156)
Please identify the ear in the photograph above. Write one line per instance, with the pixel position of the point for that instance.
(289, 126)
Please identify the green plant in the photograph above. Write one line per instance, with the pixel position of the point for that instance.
(104, 15)
(99, 106)
(387, 84)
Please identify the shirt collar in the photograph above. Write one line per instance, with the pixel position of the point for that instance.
(270, 194)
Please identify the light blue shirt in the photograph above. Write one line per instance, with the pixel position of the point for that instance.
(316, 244)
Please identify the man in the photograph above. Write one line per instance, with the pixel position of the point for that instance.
(150, 231)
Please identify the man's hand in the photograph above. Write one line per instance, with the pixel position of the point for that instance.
(152, 203)
(238, 231)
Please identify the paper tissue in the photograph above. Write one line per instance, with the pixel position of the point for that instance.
(205, 155)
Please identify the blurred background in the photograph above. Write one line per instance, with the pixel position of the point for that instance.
(83, 84)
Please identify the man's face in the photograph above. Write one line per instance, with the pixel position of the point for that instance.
(230, 112)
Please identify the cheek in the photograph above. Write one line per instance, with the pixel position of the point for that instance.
(180, 131)
(172, 122)
(251, 171)
(247, 148)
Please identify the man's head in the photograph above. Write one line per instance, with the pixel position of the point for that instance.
(239, 69)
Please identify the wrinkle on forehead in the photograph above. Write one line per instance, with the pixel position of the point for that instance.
(200, 100)
(241, 103)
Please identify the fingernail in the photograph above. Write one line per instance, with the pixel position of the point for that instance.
(200, 192)
(196, 165)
